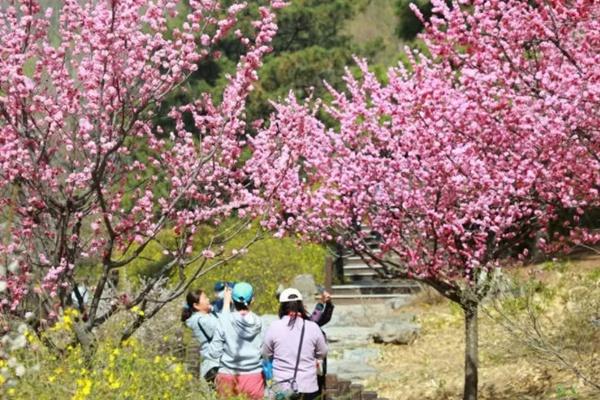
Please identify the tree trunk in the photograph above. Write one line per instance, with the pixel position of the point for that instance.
(471, 351)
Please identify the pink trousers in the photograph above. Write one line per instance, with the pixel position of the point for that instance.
(250, 385)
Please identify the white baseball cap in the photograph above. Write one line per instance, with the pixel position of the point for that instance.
(290, 294)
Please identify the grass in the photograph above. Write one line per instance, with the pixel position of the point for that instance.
(432, 367)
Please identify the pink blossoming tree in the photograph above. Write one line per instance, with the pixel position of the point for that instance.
(84, 171)
(459, 160)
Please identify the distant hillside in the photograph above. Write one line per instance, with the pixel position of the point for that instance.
(375, 20)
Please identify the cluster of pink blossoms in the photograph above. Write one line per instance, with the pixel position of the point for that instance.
(84, 170)
(457, 159)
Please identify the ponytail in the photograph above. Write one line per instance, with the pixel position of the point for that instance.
(193, 297)
(294, 309)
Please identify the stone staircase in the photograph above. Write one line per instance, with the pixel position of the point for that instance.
(364, 284)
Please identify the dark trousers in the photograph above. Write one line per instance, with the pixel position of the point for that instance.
(310, 396)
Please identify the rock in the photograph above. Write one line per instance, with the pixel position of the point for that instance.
(395, 332)
(306, 286)
(348, 336)
(358, 315)
(361, 354)
(398, 302)
(354, 371)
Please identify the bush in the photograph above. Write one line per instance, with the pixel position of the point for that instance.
(267, 263)
(132, 370)
(553, 315)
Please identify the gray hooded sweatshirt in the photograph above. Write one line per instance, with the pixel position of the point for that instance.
(208, 322)
(238, 343)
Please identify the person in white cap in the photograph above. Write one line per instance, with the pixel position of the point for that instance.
(294, 343)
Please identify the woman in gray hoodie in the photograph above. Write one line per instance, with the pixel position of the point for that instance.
(197, 316)
(237, 344)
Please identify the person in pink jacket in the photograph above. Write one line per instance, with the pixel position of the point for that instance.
(292, 369)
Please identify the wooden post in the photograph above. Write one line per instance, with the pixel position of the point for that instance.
(331, 381)
(356, 391)
(343, 386)
(369, 395)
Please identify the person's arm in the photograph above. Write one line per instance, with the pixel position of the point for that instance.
(321, 345)
(227, 300)
(323, 316)
(327, 313)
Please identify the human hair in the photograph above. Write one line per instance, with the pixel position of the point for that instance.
(240, 306)
(293, 307)
(192, 297)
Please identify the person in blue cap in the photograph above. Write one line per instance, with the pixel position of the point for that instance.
(219, 289)
(237, 343)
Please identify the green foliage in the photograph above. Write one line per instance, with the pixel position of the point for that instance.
(594, 276)
(409, 26)
(372, 30)
(152, 259)
(268, 263)
(553, 315)
(306, 23)
(303, 72)
(566, 393)
(309, 48)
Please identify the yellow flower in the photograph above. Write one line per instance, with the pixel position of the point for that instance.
(84, 388)
(137, 310)
(114, 385)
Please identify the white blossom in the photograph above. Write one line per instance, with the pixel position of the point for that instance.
(20, 370)
(18, 343)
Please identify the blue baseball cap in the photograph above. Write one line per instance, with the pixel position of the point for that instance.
(220, 285)
(242, 293)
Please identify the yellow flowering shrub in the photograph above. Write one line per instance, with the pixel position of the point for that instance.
(128, 371)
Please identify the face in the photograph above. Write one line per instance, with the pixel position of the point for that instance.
(203, 303)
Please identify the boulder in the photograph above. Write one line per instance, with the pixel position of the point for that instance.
(399, 302)
(395, 332)
(347, 335)
(306, 286)
(361, 354)
(352, 370)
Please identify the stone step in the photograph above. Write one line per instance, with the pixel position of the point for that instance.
(372, 287)
(360, 265)
(355, 260)
(359, 274)
(365, 299)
